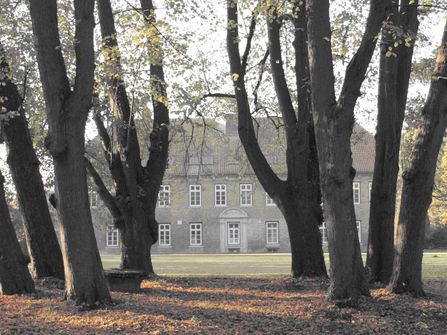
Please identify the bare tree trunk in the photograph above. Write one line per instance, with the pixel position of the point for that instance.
(67, 112)
(394, 78)
(293, 196)
(136, 242)
(418, 182)
(159, 138)
(138, 227)
(304, 235)
(333, 120)
(43, 246)
(14, 275)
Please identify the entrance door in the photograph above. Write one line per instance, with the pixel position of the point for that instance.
(234, 234)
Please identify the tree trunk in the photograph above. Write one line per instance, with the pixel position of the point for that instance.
(43, 246)
(67, 112)
(159, 138)
(293, 196)
(333, 120)
(394, 78)
(136, 243)
(304, 235)
(84, 277)
(14, 275)
(134, 182)
(296, 202)
(418, 182)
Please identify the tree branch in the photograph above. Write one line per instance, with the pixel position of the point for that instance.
(113, 158)
(106, 197)
(357, 67)
(52, 70)
(119, 101)
(104, 136)
(302, 75)
(261, 75)
(218, 95)
(267, 177)
(410, 23)
(84, 52)
(251, 33)
(279, 77)
(159, 137)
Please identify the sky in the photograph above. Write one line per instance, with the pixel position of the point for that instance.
(208, 27)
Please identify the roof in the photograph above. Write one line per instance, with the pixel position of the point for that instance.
(363, 150)
(221, 153)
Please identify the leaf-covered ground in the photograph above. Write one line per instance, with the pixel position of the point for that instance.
(206, 305)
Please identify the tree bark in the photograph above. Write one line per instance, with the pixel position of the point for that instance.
(302, 214)
(292, 196)
(14, 275)
(333, 120)
(159, 137)
(42, 243)
(418, 182)
(67, 112)
(137, 185)
(394, 76)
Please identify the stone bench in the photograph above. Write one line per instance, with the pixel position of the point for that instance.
(124, 280)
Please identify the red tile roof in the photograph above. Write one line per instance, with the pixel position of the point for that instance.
(363, 149)
(228, 157)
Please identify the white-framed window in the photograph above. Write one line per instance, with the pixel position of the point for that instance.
(356, 192)
(164, 234)
(323, 233)
(94, 199)
(164, 196)
(233, 233)
(246, 194)
(358, 223)
(195, 195)
(195, 234)
(220, 195)
(112, 236)
(269, 201)
(370, 184)
(272, 232)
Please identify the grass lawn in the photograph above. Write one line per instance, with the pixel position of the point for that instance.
(253, 265)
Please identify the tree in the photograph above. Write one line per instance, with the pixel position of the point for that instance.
(396, 51)
(418, 180)
(43, 246)
(297, 197)
(14, 275)
(438, 208)
(334, 120)
(137, 186)
(67, 110)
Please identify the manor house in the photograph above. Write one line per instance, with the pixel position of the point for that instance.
(212, 202)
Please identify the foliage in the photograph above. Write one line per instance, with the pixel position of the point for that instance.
(437, 238)
(438, 209)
